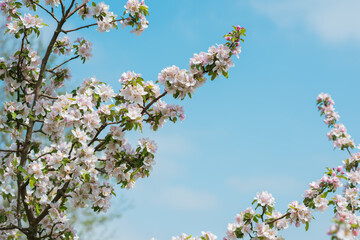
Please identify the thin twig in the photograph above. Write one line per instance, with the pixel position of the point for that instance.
(75, 29)
(87, 26)
(68, 14)
(101, 170)
(72, 147)
(47, 96)
(277, 219)
(349, 151)
(53, 69)
(40, 131)
(50, 13)
(62, 7)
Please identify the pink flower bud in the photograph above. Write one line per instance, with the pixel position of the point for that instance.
(238, 27)
(339, 168)
(355, 232)
(297, 224)
(227, 38)
(342, 172)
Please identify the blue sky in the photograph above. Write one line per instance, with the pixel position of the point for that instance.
(258, 130)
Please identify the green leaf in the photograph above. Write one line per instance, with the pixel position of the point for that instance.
(213, 76)
(306, 226)
(2, 218)
(343, 177)
(176, 95)
(32, 181)
(37, 207)
(63, 208)
(87, 177)
(21, 169)
(226, 74)
(15, 162)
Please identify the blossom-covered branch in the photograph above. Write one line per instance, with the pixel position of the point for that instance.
(70, 148)
(251, 224)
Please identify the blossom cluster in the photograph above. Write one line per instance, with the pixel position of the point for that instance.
(27, 23)
(217, 61)
(9, 8)
(265, 199)
(341, 139)
(247, 223)
(63, 46)
(338, 134)
(326, 107)
(107, 20)
(83, 48)
(205, 236)
(346, 222)
(137, 16)
(53, 3)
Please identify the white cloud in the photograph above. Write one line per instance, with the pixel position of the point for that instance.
(181, 198)
(174, 144)
(123, 229)
(276, 184)
(335, 21)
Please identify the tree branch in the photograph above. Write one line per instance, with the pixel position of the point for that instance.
(61, 192)
(62, 7)
(11, 227)
(69, 14)
(50, 13)
(152, 102)
(8, 151)
(37, 89)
